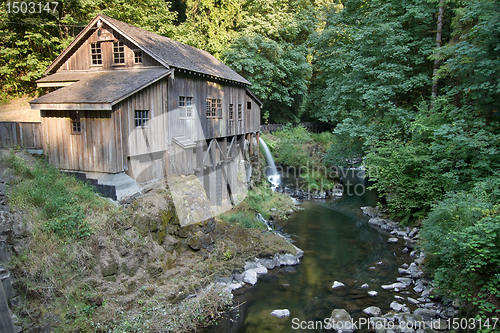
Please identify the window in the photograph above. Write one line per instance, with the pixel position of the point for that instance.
(141, 118)
(214, 108)
(118, 53)
(95, 52)
(76, 124)
(138, 57)
(186, 106)
(249, 105)
(239, 112)
(231, 112)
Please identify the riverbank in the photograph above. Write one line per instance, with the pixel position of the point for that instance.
(81, 263)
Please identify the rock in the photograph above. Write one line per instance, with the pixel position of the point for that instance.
(393, 240)
(371, 211)
(396, 306)
(413, 232)
(364, 286)
(250, 277)
(401, 233)
(376, 221)
(199, 240)
(393, 286)
(413, 301)
(373, 311)
(405, 281)
(281, 313)
(341, 321)
(425, 313)
(405, 265)
(234, 286)
(337, 284)
(373, 293)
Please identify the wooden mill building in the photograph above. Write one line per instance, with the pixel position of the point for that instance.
(131, 102)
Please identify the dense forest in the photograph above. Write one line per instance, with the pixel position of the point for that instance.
(411, 85)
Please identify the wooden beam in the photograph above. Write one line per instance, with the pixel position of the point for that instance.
(73, 106)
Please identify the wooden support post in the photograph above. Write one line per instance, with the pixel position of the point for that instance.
(250, 147)
(198, 169)
(257, 136)
(225, 182)
(212, 176)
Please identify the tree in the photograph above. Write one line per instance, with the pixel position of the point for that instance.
(271, 51)
(371, 67)
(29, 43)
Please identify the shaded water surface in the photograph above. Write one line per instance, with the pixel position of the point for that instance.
(339, 245)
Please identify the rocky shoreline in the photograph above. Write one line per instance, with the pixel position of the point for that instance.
(432, 313)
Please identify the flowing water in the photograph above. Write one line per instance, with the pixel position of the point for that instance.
(271, 171)
(339, 245)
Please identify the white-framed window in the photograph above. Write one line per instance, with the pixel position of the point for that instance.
(95, 53)
(141, 118)
(186, 106)
(118, 53)
(214, 108)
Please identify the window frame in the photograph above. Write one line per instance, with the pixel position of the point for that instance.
(75, 123)
(98, 55)
(138, 55)
(118, 49)
(185, 107)
(213, 108)
(231, 111)
(141, 118)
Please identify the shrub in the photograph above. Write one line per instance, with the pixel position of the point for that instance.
(462, 238)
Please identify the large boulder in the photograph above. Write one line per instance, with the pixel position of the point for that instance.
(341, 321)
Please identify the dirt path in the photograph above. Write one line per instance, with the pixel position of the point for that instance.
(19, 110)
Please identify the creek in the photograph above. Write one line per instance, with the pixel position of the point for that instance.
(338, 245)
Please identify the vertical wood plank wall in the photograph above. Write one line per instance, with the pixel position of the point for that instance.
(81, 59)
(94, 149)
(24, 135)
(200, 127)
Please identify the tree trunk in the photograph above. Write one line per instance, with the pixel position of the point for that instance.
(438, 45)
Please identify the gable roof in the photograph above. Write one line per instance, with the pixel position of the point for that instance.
(166, 51)
(99, 90)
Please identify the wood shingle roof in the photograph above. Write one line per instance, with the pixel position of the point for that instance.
(168, 52)
(99, 90)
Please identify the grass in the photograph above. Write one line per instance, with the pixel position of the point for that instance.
(300, 150)
(67, 227)
(260, 199)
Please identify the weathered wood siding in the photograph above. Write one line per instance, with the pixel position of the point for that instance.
(200, 127)
(82, 60)
(24, 135)
(143, 149)
(94, 149)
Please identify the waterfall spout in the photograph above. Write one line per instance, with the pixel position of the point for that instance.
(271, 172)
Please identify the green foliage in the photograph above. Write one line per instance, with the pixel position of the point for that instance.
(471, 66)
(462, 237)
(60, 201)
(446, 151)
(371, 67)
(30, 42)
(279, 73)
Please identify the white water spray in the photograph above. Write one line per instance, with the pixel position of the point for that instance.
(271, 172)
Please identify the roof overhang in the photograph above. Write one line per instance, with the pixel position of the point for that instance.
(72, 106)
(97, 90)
